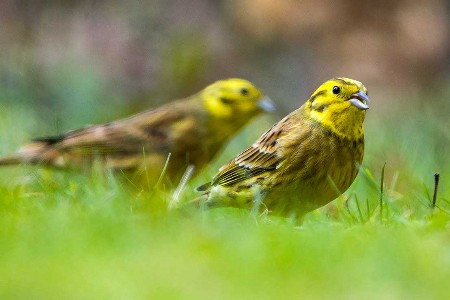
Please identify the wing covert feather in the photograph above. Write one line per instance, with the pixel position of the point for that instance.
(262, 156)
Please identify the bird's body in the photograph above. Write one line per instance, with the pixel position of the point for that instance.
(304, 161)
(191, 130)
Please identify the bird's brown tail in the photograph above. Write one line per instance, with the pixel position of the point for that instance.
(10, 160)
(34, 153)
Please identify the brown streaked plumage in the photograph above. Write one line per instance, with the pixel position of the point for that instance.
(192, 130)
(304, 161)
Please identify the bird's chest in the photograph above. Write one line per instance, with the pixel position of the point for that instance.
(344, 164)
(319, 177)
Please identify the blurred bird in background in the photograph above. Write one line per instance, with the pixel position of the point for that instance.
(191, 131)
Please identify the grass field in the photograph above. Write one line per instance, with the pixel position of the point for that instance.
(66, 235)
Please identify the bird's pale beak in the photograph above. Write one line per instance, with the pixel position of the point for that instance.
(267, 104)
(360, 100)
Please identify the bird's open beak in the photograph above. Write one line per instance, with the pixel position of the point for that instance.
(267, 104)
(360, 100)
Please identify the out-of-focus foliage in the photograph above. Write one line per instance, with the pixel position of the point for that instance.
(70, 55)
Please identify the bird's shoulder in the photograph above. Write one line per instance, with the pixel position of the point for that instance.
(262, 156)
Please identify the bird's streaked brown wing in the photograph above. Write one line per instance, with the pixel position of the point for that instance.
(149, 130)
(262, 156)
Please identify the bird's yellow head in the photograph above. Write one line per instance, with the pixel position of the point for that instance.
(339, 105)
(235, 97)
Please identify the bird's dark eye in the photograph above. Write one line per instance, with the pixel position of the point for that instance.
(336, 90)
(244, 92)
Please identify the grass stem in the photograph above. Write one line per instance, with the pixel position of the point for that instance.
(382, 192)
(436, 185)
(163, 172)
(181, 186)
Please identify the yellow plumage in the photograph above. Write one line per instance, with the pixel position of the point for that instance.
(304, 161)
(192, 130)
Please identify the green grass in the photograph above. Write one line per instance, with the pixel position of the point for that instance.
(91, 236)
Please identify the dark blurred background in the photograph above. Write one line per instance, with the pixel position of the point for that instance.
(64, 64)
(95, 53)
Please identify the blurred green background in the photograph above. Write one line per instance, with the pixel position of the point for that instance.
(65, 64)
(72, 61)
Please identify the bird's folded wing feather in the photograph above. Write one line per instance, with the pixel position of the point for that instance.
(262, 156)
(130, 135)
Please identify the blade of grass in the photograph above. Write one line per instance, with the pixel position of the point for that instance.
(382, 192)
(349, 211)
(181, 186)
(359, 209)
(161, 176)
(369, 215)
(436, 185)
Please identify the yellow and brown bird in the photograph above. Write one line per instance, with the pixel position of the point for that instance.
(304, 161)
(192, 130)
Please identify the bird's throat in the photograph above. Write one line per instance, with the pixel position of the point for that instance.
(345, 123)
